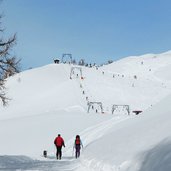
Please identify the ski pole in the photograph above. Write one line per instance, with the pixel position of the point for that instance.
(73, 152)
(54, 150)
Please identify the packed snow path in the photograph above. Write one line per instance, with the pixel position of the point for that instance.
(22, 163)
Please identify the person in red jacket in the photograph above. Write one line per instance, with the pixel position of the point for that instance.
(59, 142)
(77, 145)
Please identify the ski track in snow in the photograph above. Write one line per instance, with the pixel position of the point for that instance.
(92, 133)
(99, 130)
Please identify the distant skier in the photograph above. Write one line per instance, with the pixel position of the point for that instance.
(77, 146)
(59, 142)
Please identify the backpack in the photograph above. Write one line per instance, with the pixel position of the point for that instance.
(77, 141)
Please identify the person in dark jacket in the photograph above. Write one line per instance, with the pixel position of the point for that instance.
(59, 142)
(77, 146)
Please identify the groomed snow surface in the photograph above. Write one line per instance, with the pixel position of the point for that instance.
(45, 102)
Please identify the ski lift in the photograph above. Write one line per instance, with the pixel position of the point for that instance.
(118, 107)
(91, 105)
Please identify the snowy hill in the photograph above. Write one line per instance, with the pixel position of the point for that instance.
(45, 102)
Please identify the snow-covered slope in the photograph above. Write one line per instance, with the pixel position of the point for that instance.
(128, 81)
(45, 102)
(144, 66)
(43, 89)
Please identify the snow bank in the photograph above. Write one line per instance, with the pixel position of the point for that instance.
(136, 143)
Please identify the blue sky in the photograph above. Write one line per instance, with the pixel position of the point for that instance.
(95, 30)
